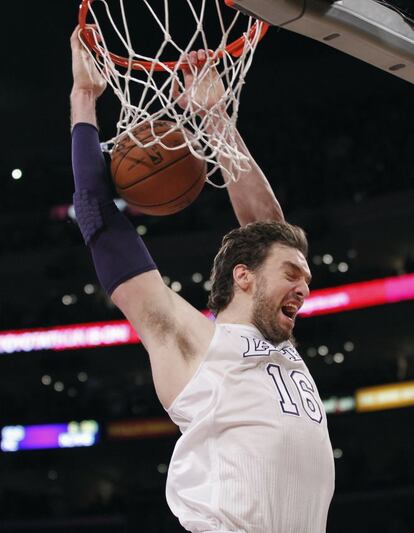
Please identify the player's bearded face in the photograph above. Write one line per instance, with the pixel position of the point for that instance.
(266, 314)
(281, 286)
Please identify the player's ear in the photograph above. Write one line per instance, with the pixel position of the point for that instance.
(242, 277)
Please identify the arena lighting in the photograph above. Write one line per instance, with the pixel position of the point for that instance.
(52, 475)
(90, 335)
(17, 174)
(176, 286)
(349, 346)
(359, 295)
(119, 332)
(343, 267)
(338, 453)
(59, 386)
(142, 230)
(82, 377)
(46, 380)
(323, 350)
(197, 277)
(336, 405)
(89, 288)
(391, 396)
(71, 435)
(162, 468)
(140, 429)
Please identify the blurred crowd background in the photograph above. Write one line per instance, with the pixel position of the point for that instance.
(334, 136)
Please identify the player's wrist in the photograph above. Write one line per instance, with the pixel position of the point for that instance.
(83, 116)
(83, 106)
(83, 94)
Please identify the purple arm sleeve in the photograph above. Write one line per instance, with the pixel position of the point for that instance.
(89, 166)
(118, 252)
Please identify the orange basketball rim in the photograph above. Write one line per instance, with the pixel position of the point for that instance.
(234, 48)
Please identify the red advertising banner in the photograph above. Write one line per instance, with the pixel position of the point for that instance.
(119, 332)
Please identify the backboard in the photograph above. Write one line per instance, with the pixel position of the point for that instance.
(374, 31)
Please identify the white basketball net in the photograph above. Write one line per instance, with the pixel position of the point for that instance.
(207, 120)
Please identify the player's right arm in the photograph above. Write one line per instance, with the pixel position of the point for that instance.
(251, 195)
(175, 334)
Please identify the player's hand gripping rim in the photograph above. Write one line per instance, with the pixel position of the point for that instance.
(86, 76)
(203, 87)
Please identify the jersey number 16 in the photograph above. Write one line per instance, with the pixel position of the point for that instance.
(306, 392)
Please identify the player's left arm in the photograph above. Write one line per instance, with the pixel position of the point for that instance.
(251, 195)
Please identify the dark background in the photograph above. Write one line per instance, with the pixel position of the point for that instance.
(334, 136)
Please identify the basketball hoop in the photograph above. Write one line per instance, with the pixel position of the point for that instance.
(201, 122)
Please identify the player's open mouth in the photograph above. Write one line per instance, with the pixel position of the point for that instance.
(290, 310)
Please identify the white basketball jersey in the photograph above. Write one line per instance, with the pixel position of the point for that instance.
(255, 454)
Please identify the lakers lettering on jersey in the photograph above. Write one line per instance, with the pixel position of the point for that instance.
(255, 454)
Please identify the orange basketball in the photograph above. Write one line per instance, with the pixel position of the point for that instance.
(157, 180)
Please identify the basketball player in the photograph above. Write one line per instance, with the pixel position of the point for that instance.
(254, 455)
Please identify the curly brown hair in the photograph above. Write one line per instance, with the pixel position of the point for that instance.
(249, 245)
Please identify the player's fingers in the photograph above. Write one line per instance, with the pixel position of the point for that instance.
(74, 38)
(183, 63)
(188, 77)
(175, 90)
(75, 32)
(93, 28)
(195, 59)
(192, 58)
(206, 56)
(202, 57)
